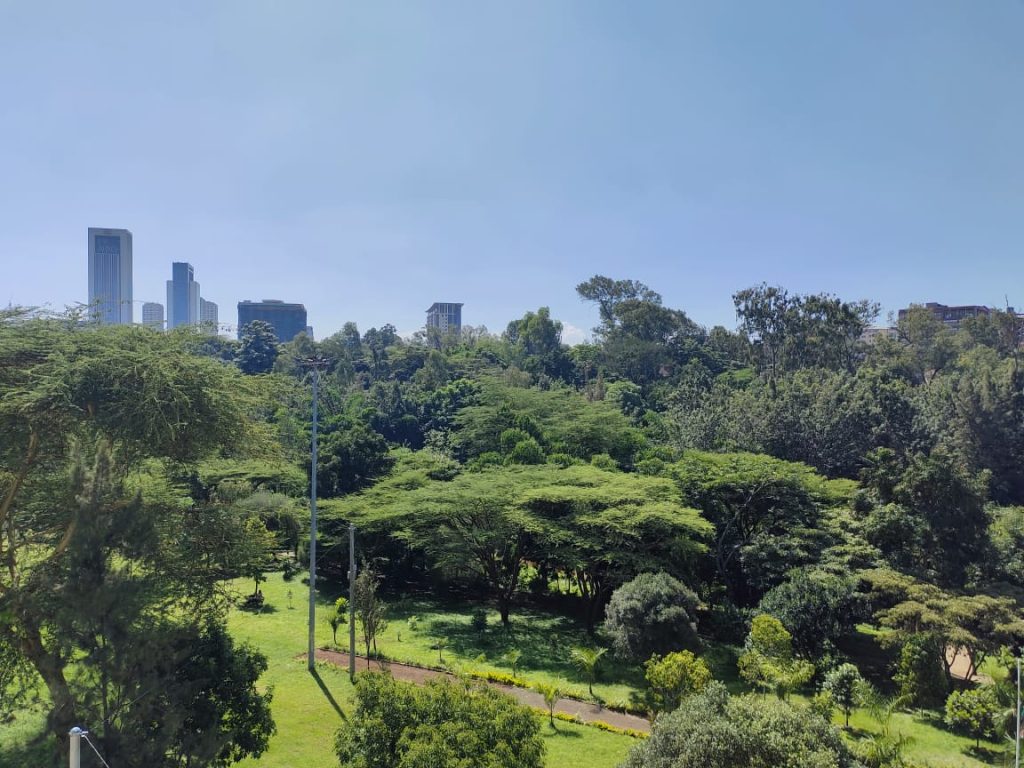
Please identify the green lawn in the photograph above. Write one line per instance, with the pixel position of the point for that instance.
(309, 710)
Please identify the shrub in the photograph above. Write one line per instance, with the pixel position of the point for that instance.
(842, 683)
(605, 462)
(712, 729)
(527, 452)
(400, 725)
(975, 712)
(673, 678)
(653, 613)
(478, 620)
(817, 609)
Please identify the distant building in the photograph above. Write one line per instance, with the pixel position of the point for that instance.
(153, 315)
(871, 335)
(445, 317)
(951, 316)
(288, 320)
(208, 315)
(182, 296)
(110, 276)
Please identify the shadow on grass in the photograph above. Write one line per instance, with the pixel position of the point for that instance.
(315, 674)
(544, 639)
(38, 751)
(563, 732)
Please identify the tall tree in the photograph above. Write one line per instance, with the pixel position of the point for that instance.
(258, 350)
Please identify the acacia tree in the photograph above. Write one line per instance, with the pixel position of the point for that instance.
(93, 419)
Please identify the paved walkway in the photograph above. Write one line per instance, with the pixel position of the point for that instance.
(584, 710)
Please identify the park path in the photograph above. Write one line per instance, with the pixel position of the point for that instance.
(584, 710)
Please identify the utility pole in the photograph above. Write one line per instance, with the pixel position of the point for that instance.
(1016, 735)
(352, 602)
(316, 364)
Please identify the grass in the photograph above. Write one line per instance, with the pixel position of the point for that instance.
(306, 709)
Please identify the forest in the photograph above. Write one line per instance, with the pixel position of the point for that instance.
(777, 525)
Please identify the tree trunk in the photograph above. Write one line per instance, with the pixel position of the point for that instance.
(504, 608)
(63, 713)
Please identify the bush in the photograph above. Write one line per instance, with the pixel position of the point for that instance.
(842, 683)
(653, 613)
(443, 723)
(478, 620)
(715, 730)
(673, 678)
(527, 452)
(605, 462)
(975, 712)
(919, 676)
(817, 608)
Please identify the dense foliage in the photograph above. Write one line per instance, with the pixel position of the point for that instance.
(442, 724)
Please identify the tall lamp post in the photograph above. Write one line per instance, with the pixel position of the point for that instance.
(1017, 649)
(315, 364)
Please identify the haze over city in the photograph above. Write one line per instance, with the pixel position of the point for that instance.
(368, 160)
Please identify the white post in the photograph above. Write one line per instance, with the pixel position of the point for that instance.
(311, 654)
(75, 751)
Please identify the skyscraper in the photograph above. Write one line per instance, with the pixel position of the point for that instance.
(153, 315)
(288, 320)
(182, 296)
(445, 317)
(110, 275)
(208, 315)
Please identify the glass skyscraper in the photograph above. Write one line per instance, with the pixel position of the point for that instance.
(182, 296)
(288, 320)
(110, 275)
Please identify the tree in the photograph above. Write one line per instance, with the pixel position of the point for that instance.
(653, 613)
(817, 609)
(338, 616)
(551, 695)
(537, 343)
(919, 674)
(445, 724)
(258, 350)
(712, 729)
(350, 459)
(586, 660)
(974, 711)
(768, 662)
(674, 677)
(842, 683)
(370, 610)
(95, 536)
(512, 657)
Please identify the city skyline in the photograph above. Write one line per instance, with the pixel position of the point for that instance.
(346, 155)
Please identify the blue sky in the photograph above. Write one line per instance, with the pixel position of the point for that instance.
(369, 158)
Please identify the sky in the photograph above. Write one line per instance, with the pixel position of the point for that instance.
(370, 158)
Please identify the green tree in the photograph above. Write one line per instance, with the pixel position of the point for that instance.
(768, 662)
(551, 695)
(258, 350)
(370, 610)
(338, 617)
(350, 459)
(674, 677)
(712, 729)
(96, 534)
(974, 711)
(817, 608)
(653, 613)
(586, 660)
(443, 724)
(842, 683)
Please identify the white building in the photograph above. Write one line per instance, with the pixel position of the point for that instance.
(110, 275)
(208, 315)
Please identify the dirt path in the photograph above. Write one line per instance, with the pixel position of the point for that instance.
(584, 710)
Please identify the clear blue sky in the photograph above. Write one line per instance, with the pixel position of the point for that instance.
(369, 158)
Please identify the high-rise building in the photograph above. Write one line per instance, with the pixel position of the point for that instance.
(182, 296)
(153, 315)
(208, 315)
(445, 317)
(288, 320)
(110, 275)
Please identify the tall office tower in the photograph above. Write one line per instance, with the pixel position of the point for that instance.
(288, 320)
(208, 315)
(110, 275)
(445, 317)
(153, 315)
(182, 296)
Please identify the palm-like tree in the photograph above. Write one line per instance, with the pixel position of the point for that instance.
(586, 661)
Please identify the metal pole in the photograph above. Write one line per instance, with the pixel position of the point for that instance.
(1016, 736)
(352, 601)
(75, 748)
(311, 656)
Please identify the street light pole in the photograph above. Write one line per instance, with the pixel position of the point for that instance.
(352, 601)
(1016, 735)
(316, 364)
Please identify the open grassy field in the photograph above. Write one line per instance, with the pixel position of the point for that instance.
(309, 709)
